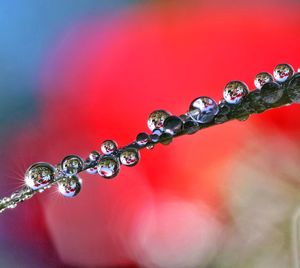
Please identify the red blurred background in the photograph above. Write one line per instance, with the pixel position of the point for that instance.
(226, 191)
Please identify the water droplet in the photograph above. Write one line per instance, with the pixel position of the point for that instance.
(235, 91)
(129, 157)
(72, 164)
(261, 79)
(165, 138)
(70, 187)
(108, 147)
(203, 109)
(108, 167)
(157, 118)
(142, 138)
(282, 72)
(173, 125)
(94, 156)
(271, 93)
(293, 88)
(39, 175)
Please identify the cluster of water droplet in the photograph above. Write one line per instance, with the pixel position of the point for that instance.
(164, 126)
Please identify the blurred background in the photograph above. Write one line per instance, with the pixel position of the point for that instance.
(74, 73)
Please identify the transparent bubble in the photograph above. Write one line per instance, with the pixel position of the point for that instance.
(39, 175)
(271, 93)
(142, 138)
(235, 91)
(282, 72)
(261, 79)
(173, 125)
(108, 147)
(203, 109)
(94, 156)
(72, 164)
(157, 118)
(108, 167)
(70, 187)
(129, 157)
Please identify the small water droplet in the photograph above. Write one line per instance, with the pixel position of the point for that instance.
(94, 156)
(142, 138)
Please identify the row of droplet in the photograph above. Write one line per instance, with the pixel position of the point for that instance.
(163, 127)
(40, 175)
(204, 109)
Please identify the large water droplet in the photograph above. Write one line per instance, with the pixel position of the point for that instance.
(235, 91)
(157, 118)
(39, 175)
(70, 187)
(108, 147)
(203, 109)
(108, 167)
(261, 79)
(72, 164)
(282, 72)
(129, 157)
